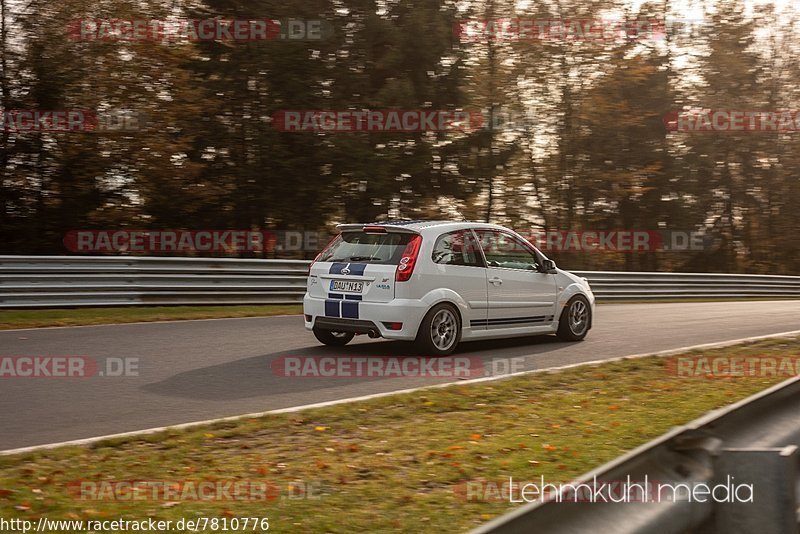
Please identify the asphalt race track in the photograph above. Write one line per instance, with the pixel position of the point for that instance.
(195, 370)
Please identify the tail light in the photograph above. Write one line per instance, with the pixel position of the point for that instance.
(408, 260)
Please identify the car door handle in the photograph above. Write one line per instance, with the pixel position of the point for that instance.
(496, 280)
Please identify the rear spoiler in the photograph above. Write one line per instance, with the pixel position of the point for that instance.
(375, 228)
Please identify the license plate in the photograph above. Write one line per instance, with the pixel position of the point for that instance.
(346, 286)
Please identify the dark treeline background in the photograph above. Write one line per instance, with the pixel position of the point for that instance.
(591, 153)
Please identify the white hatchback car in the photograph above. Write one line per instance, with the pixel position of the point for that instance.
(440, 283)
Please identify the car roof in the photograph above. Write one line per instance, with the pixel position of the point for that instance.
(419, 225)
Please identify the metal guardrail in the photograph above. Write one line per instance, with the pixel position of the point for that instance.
(755, 442)
(616, 285)
(68, 281)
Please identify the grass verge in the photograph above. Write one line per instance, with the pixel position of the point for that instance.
(392, 464)
(91, 316)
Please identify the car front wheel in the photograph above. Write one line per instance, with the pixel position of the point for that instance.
(335, 339)
(440, 331)
(575, 319)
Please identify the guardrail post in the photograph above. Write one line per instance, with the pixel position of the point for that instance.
(772, 473)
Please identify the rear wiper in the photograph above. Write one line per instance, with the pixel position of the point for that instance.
(364, 258)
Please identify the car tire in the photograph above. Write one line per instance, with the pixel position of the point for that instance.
(440, 331)
(576, 318)
(334, 339)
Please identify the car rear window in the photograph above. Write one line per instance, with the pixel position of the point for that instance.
(384, 249)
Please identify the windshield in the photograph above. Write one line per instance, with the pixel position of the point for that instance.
(359, 247)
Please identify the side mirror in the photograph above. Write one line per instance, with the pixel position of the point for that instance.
(549, 266)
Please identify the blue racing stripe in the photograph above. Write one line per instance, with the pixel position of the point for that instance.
(335, 295)
(331, 308)
(336, 268)
(353, 297)
(350, 310)
(357, 269)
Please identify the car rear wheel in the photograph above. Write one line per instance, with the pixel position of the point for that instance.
(440, 331)
(335, 339)
(575, 319)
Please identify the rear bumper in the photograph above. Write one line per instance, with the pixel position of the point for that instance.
(360, 317)
(356, 326)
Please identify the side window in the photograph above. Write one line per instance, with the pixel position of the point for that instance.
(457, 248)
(504, 250)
